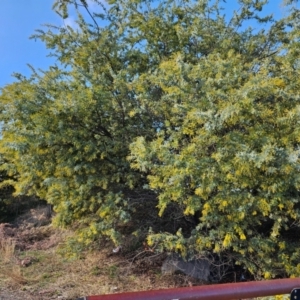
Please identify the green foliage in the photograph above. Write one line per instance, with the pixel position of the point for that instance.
(228, 148)
(233, 156)
(6, 191)
(172, 96)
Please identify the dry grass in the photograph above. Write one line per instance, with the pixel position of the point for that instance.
(7, 250)
(10, 271)
(50, 276)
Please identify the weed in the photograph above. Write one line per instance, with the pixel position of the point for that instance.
(112, 271)
(96, 271)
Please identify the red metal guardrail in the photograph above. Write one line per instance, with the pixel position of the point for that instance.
(226, 291)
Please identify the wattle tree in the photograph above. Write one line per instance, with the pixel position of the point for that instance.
(182, 99)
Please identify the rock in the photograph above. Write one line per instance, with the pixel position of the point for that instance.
(26, 262)
(196, 268)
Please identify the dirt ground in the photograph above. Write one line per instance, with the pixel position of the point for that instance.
(6, 294)
(31, 268)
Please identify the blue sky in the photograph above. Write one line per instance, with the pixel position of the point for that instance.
(19, 19)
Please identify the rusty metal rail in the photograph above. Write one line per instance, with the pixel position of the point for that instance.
(227, 291)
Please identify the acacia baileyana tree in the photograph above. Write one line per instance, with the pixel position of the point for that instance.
(182, 99)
